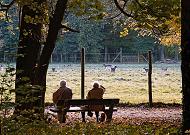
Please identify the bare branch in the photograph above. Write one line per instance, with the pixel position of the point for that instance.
(70, 29)
(118, 13)
(115, 16)
(139, 3)
(5, 7)
(122, 8)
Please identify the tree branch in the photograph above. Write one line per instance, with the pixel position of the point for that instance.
(70, 29)
(122, 8)
(6, 7)
(148, 8)
(139, 3)
(118, 13)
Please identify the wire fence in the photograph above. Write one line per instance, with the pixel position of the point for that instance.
(130, 58)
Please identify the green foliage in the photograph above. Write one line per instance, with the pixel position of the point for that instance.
(95, 35)
(20, 124)
(9, 34)
(6, 88)
(41, 127)
(92, 9)
(159, 18)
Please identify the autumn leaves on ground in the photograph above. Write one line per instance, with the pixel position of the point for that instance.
(129, 120)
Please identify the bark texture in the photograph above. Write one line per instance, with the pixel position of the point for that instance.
(185, 65)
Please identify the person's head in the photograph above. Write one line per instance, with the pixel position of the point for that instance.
(96, 85)
(63, 83)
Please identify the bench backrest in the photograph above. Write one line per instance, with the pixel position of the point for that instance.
(107, 102)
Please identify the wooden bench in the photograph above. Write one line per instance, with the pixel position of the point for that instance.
(78, 105)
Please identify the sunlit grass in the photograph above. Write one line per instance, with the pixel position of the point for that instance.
(129, 82)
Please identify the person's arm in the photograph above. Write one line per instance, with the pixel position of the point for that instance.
(88, 95)
(104, 89)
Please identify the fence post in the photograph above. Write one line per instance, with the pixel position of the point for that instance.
(51, 59)
(106, 55)
(138, 59)
(82, 72)
(61, 58)
(150, 77)
(121, 55)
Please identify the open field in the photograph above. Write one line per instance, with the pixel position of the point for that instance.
(129, 82)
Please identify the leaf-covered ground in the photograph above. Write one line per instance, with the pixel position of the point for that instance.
(134, 116)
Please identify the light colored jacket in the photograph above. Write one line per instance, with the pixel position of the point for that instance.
(96, 93)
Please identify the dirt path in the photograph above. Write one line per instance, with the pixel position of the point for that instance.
(136, 115)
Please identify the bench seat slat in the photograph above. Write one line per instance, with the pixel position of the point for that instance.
(78, 109)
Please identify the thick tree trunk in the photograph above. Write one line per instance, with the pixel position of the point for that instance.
(54, 27)
(185, 65)
(31, 81)
(27, 54)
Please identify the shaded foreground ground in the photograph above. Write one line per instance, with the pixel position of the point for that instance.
(134, 116)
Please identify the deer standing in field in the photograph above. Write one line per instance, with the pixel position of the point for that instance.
(164, 68)
(107, 65)
(113, 68)
(146, 69)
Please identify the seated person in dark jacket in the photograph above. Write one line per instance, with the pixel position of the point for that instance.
(96, 93)
(62, 93)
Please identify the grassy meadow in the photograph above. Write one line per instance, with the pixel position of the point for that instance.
(129, 82)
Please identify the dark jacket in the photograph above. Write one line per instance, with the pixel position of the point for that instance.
(62, 93)
(96, 93)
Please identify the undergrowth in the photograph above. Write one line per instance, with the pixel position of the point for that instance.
(79, 128)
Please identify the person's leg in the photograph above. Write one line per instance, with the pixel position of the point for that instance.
(83, 116)
(97, 116)
(62, 117)
(90, 113)
(102, 117)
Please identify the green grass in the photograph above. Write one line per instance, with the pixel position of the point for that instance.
(129, 82)
(79, 128)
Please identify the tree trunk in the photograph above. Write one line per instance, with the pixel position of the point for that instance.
(162, 56)
(106, 55)
(185, 65)
(31, 81)
(27, 54)
(176, 53)
(54, 27)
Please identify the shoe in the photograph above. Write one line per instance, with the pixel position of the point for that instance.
(90, 114)
(102, 117)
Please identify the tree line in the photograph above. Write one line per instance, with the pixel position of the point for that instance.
(97, 36)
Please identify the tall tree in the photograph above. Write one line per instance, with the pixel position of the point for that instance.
(32, 63)
(33, 57)
(185, 65)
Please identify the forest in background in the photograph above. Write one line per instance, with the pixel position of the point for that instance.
(102, 39)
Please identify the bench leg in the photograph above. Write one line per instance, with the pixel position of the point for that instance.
(61, 117)
(109, 115)
(83, 116)
(97, 116)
